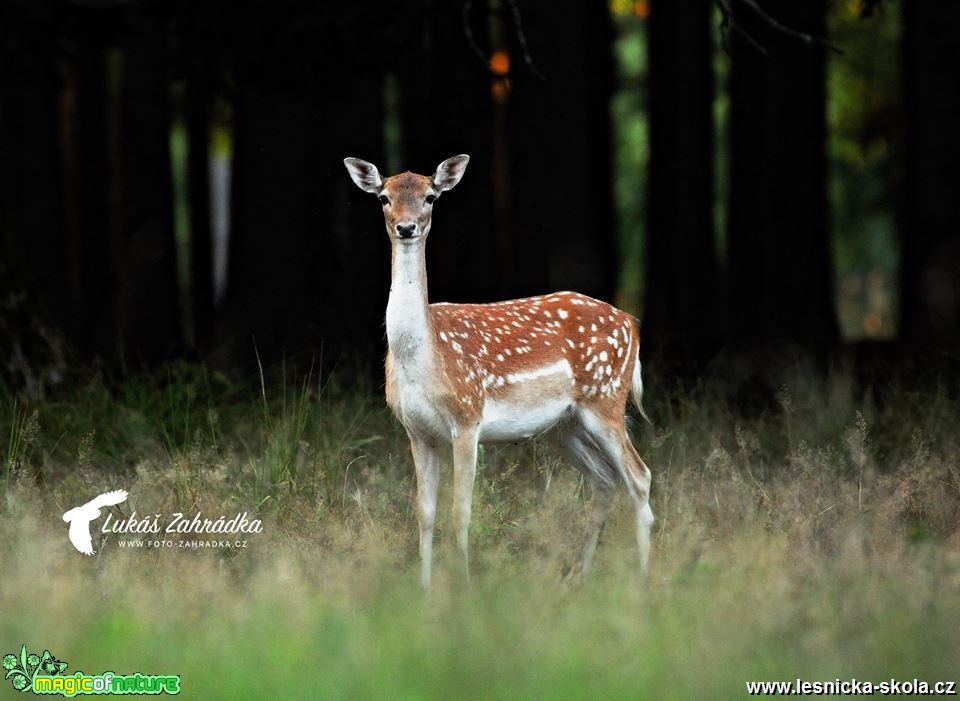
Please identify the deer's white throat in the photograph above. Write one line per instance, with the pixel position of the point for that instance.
(413, 357)
(408, 322)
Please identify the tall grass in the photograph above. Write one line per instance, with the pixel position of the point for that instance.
(20, 440)
(818, 539)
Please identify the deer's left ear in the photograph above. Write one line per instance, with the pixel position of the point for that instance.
(449, 172)
(364, 174)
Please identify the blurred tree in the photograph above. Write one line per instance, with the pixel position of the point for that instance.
(31, 187)
(148, 301)
(197, 55)
(682, 311)
(562, 230)
(864, 164)
(447, 110)
(348, 114)
(305, 260)
(780, 279)
(272, 246)
(87, 152)
(930, 218)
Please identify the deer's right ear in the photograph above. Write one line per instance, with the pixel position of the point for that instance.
(364, 174)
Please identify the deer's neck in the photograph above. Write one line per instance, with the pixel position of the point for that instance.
(409, 330)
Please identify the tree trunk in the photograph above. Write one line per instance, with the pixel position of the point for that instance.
(358, 253)
(91, 276)
(148, 300)
(270, 248)
(562, 208)
(308, 259)
(30, 154)
(197, 26)
(447, 111)
(781, 282)
(930, 218)
(681, 317)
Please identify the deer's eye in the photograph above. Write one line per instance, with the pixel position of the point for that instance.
(431, 198)
(384, 200)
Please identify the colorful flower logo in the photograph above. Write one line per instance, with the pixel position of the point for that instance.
(22, 669)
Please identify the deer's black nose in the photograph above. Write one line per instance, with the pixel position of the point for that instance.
(406, 231)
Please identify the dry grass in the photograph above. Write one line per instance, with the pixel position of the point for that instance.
(820, 540)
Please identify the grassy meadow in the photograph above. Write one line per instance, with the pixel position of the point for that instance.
(818, 538)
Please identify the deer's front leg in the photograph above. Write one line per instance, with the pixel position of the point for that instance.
(427, 462)
(464, 473)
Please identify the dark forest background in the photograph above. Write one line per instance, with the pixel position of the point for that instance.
(750, 178)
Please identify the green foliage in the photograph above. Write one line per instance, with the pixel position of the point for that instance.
(863, 93)
(863, 87)
(631, 150)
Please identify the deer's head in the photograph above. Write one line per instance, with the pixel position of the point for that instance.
(407, 198)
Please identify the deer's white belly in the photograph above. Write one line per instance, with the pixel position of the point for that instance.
(505, 422)
(534, 402)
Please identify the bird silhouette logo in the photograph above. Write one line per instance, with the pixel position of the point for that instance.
(80, 517)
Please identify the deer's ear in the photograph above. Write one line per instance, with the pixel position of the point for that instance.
(364, 174)
(449, 172)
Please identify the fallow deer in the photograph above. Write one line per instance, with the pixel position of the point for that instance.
(559, 366)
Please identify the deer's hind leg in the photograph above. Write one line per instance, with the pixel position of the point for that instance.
(613, 441)
(586, 456)
(638, 473)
